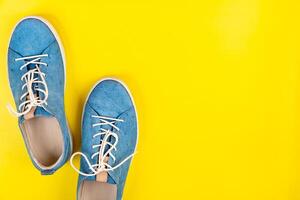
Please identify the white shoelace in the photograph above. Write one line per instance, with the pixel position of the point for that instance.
(29, 98)
(102, 165)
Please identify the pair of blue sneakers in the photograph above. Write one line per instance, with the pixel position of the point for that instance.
(37, 76)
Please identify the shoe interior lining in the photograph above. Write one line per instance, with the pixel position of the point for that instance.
(95, 190)
(44, 138)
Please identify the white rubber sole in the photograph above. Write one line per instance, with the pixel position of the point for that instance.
(52, 29)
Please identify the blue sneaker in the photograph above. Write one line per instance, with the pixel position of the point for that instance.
(36, 69)
(109, 137)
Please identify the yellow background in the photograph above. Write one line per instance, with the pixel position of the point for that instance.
(216, 85)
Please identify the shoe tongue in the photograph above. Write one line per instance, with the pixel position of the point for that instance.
(109, 179)
(31, 66)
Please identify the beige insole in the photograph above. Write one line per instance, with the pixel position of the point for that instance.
(94, 190)
(44, 139)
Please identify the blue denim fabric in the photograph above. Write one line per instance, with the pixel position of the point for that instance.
(33, 36)
(109, 98)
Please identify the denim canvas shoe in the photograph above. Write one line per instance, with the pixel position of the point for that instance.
(109, 137)
(36, 69)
